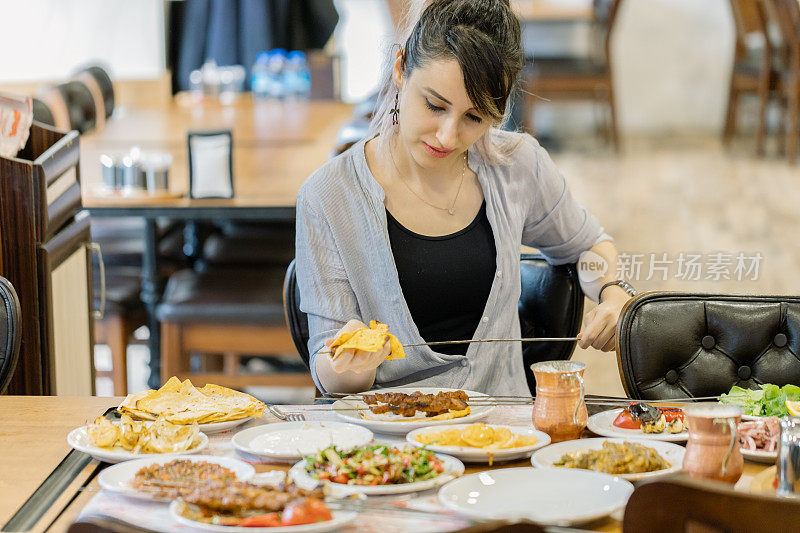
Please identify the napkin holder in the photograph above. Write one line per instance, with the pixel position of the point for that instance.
(210, 164)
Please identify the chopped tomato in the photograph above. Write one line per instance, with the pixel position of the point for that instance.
(305, 511)
(671, 413)
(626, 421)
(262, 520)
(340, 478)
(323, 475)
(385, 478)
(437, 467)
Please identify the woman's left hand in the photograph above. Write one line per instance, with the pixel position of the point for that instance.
(600, 324)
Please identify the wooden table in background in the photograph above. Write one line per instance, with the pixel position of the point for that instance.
(551, 11)
(276, 146)
(34, 430)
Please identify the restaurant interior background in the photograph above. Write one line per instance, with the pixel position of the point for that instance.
(688, 210)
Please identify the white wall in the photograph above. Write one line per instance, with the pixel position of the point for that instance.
(363, 37)
(673, 62)
(48, 39)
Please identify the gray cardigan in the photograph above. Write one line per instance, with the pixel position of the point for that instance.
(346, 270)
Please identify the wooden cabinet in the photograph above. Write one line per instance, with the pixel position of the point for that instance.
(44, 253)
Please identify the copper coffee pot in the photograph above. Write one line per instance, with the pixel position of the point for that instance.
(713, 450)
(559, 409)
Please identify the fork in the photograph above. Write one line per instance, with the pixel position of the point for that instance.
(289, 417)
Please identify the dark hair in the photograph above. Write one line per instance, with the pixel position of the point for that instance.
(483, 36)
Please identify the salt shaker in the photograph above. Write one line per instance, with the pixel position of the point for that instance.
(155, 167)
(789, 457)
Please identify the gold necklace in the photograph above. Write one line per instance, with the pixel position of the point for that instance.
(452, 209)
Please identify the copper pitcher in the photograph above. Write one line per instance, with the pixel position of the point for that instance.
(559, 409)
(713, 449)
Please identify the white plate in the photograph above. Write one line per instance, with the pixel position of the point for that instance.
(602, 423)
(117, 478)
(293, 440)
(477, 455)
(219, 427)
(340, 518)
(753, 417)
(760, 456)
(548, 496)
(452, 469)
(344, 409)
(672, 453)
(79, 439)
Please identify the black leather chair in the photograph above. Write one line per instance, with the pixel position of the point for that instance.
(248, 244)
(671, 345)
(551, 305)
(104, 84)
(9, 332)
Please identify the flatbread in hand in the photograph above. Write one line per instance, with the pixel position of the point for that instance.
(369, 339)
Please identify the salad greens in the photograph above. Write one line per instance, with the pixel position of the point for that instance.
(769, 400)
(374, 465)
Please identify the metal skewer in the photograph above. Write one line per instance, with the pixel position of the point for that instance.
(594, 398)
(469, 341)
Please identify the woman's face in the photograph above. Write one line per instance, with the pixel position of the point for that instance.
(437, 121)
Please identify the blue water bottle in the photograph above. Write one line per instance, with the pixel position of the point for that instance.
(275, 69)
(297, 78)
(259, 81)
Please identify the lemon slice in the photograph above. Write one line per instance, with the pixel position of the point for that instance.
(793, 408)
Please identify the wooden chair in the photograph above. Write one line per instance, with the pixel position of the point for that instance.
(122, 314)
(224, 315)
(577, 78)
(99, 84)
(681, 504)
(121, 243)
(787, 18)
(754, 71)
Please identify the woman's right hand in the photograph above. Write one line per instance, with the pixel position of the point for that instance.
(357, 360)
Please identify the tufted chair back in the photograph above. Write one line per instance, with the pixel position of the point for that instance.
(551, 305)
(9, 332)
(672, 344)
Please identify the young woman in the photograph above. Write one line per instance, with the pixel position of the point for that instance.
(419, 225)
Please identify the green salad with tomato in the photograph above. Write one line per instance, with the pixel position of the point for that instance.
(769, 400)
(375, 464)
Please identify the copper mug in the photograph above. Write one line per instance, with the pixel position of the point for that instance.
(713, 449)
(559, 409)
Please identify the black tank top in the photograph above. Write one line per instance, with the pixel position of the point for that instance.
(446, 279)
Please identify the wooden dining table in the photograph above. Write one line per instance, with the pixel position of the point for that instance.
(45, 486)
(276, 146)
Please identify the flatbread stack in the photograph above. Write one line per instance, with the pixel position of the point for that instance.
(369, 339)
(182, 403)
